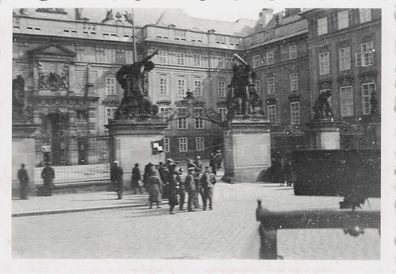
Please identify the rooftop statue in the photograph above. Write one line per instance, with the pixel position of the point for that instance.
(242, 98)
(131, 78)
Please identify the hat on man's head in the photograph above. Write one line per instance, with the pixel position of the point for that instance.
(116, 162)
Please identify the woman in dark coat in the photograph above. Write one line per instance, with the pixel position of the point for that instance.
(136, 177)
(154, 186)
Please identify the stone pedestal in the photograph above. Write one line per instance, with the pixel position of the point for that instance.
(324, 134)
(247, 149)
(131, 142)
(373, 128)
(23, 151)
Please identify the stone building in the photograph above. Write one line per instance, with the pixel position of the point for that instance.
(345, 57)
(68, 59)
(278, 53)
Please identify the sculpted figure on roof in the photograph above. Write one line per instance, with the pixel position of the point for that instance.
(242, 98)
(132, 78)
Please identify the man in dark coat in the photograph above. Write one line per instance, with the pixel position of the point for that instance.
(136, 177)
(23, 182)
(116, 173)
(182, 188)
(208, 180)
(190, 187)
(147, 171)
(48, 175)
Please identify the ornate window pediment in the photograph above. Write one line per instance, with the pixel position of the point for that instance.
(52, 51)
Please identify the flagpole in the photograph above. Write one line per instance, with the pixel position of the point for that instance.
(133, 37)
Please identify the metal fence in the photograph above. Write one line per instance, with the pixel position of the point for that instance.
(75, 159)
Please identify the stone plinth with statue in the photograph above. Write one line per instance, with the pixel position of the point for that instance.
(324, 131)
(137, 130)
(247, 140)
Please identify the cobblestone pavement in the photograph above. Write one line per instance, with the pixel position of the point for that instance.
(227, 232)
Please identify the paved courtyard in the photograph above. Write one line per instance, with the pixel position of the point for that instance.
(227, 232)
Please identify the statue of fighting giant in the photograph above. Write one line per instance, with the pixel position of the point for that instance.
(135, 101)
(242, 98)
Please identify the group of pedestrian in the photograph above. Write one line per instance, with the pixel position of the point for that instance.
(167, 180)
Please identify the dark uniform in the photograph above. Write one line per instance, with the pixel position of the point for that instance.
(208, 180)
(23, 178)
(190, 187)
(48, 175)
(136, 177)
(116, 178)
(182, 188)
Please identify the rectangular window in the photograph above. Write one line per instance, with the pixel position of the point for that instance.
(257, 86)
(322, 26)
(271, 113)
(293, 81)
(180, 35)
(342, 19)
(165, 112)
(197, 88)
(109, 113)
(220, 62)
(345, 58)
(293, 52)
(256, 61)
(324, 63)
(162, 57)
(199, 144)
(182, 123)
(366, 56)
(197, 60)
(181, 87)
(129, 57)
(183, 144)
(180, 59)
(163, 85)
(221, 89)
(271, 85)
(295, 113)
(166, 145)
(270, 57)
(199, 123)
(223, 113)
(346, 101)
(110, 55)
(110, 86)
(364, 15)
(367, 90)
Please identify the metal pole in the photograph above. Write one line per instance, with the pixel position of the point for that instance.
(133, 36)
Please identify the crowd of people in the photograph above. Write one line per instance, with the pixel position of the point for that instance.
(167, 180)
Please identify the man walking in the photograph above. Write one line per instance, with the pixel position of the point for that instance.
(136, 177)
(23, 182)
(116, 178)
(48, 175)
(208, 180)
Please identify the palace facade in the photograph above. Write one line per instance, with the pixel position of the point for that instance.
(68, 59)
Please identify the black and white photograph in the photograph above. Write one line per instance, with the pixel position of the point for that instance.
(230, 132)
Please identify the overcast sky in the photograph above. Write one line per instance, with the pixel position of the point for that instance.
(224, 10)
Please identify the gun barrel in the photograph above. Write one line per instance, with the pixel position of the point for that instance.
(239, 58)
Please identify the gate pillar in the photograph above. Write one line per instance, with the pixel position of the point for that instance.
(324, 134)
(131, 141)
(247, 149)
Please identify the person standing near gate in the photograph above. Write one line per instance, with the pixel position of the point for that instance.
(208, 180)
(23, 182)
(182, 188)
(48, 175)
(136, 177)
(116, 178)
(190, 187)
